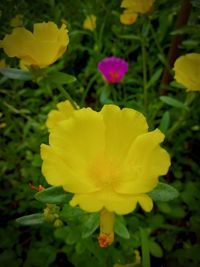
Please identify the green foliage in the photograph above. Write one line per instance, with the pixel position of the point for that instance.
(16, 74)
(172, 102)
(163, 192)
(120, 228)
(32, 219)
(54, 195)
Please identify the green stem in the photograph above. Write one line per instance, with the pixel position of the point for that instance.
(159, 47)
(87, 89)
(145, 248)
(144, 65)
(189, 99)
(67, 96)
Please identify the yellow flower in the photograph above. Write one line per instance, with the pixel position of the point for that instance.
(138, 6)
(128, 17)
(90, 23)
(38, 49)
(187, 71)
(17, 21)
(108, 159)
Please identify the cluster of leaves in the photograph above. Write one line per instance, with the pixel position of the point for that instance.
(172, 229)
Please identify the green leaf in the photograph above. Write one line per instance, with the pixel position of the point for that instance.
(69, 213)
(60, 78)
(154, 78)
(130, 37)
(174, 210)
(163, 192)
(155, 249)
(173, 102)
(33, 219)
(165, 121)
(90, 225)
(73, 236)
(120, 228)
(16, 74)
(53, 195)
(62, 232)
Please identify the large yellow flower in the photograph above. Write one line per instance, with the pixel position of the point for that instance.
(108, 159)
(90, 23)
(138, 6)
(38, 49)
(187, 71)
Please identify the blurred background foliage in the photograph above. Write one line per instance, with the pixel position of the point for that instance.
(173, 227)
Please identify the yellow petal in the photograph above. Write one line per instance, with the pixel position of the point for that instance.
(17, 43)
(145, 202)
(45, 31)
(78, 141)
(145, 162)
(120, 204)
(138, 6)
(45, 53)
(122, 127)
(63, 40)
(187, 69)
(57, 172)
(64, 112)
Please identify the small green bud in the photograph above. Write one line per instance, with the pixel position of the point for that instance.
(58, 223)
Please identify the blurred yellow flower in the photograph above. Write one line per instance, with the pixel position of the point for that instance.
(187, 71)
(108, 159)
(38, 49)
(138, 6)
(128, 17)
(17, 21)
(90, 23)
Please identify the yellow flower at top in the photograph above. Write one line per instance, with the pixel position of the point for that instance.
(39, 49)
(90, 23)
(128, 17)
(107, 159)
(187, 71)
(138, 6)
(17, 21)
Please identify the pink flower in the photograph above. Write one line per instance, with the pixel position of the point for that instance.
(113, 69)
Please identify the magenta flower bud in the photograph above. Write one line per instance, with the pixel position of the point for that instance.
(113, 69)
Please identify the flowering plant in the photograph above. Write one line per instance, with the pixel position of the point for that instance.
(39, 49)
(113, 69)
(87, 156)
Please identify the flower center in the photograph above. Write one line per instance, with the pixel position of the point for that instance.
(103, 173)
(114, 75)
